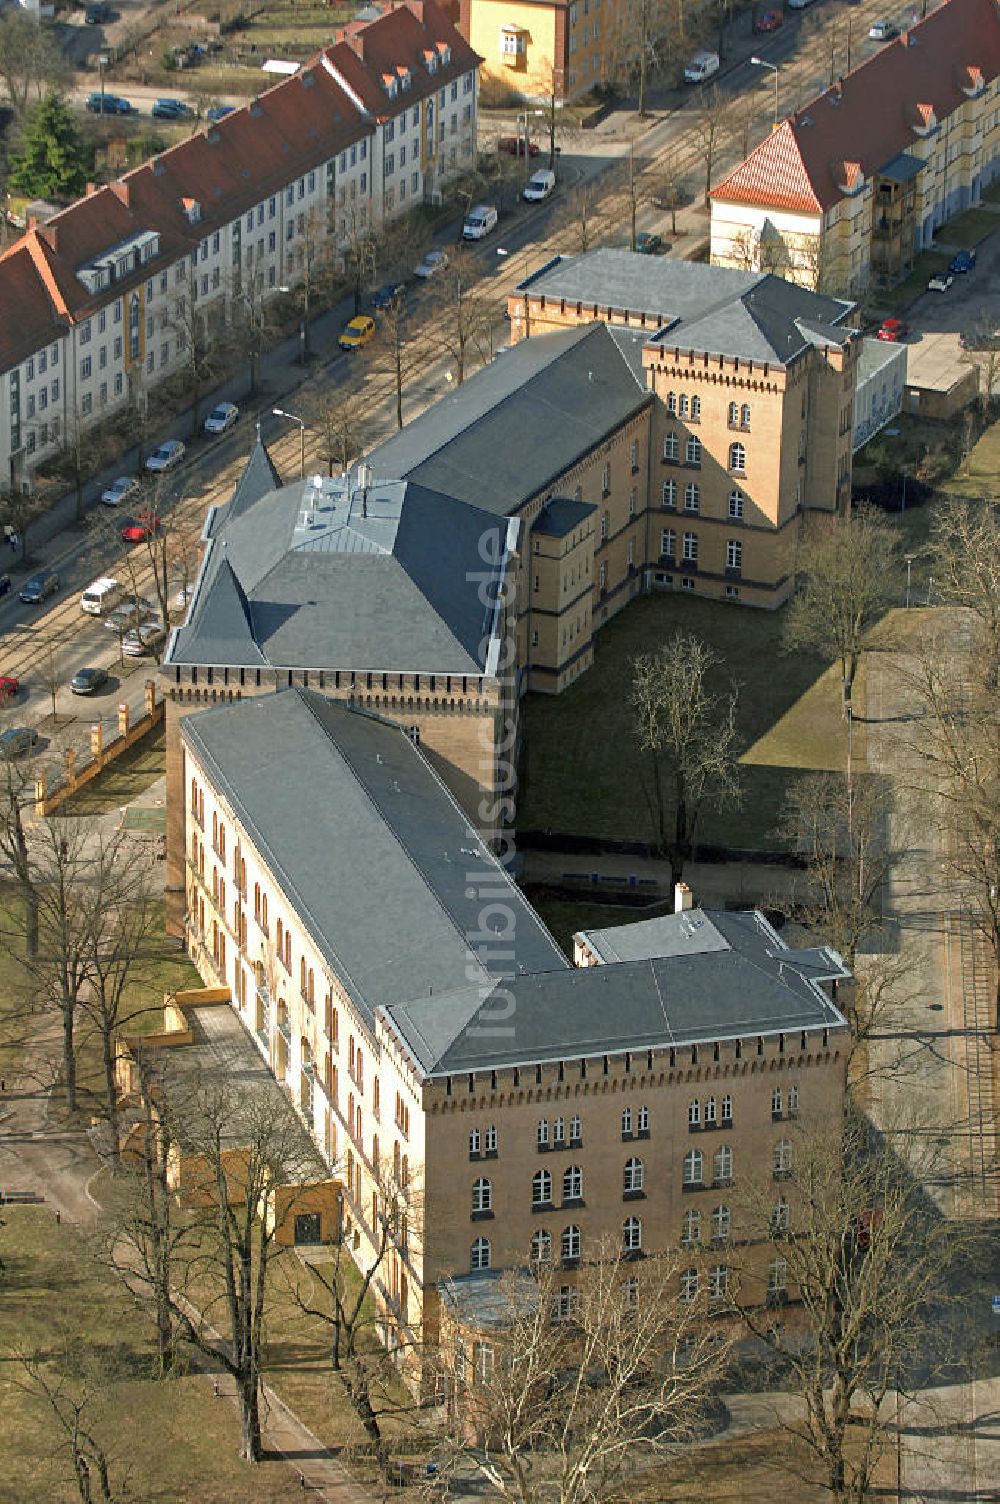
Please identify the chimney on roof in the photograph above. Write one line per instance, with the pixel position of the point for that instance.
(683, 898)
(90, 189)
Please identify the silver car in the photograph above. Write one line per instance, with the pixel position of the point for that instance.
(17, 741)
(166, 456)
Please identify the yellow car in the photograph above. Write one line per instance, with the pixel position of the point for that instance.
(357, 333)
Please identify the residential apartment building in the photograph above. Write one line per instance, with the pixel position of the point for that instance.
(431, 1034)
(847, 191)
(107, 291)
(544, 48)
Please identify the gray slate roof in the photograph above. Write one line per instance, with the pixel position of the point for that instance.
(324, 574)
(560, 515)
(681, 980)
(517, 425)
(372, 851)
(706, 308)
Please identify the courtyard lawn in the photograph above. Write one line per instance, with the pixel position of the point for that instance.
(897, 299)
(123, 780)
(970, 228)
(981, 475)
(169, 1442)
(580, 769)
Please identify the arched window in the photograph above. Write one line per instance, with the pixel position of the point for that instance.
(718, 1282)
(745, 415)
(691, 1233)
(722, 1163)
(668, 497)
(671, 447)
(710, 1107)
(632, 1235)
(280, 938)
(626, 1120)
(572, 1184)
(559, 1132)
(780, 1216)
(302, 975)
(543, 1132)
(482, 1195)
(490, 1140)
(737, 459)
(693, 1167)
(263, 912)
(722, 1221)
(783, 1157)
(288, 950)
(475, 1141)
(575, 1129)
(480, 1255)
(635, 1174)
(793, 1101)
(727, 1109)
(694, 1113)
(689, 1285)
(404, 1172)
(541, 1247)
(643, 1120)
(734, 414)
(671, 402)
(692, 497)
(692, 452)
(737, 504)
(695, 409)
(541, 1188)
(684, 407)
(776, 1102)
(570, 1243)
(395, 1162)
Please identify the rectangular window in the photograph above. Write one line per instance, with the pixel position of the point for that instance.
(668, 543)
(691, 548)
(85, 368)
(734, 555)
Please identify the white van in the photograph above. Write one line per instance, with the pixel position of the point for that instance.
(479, 222)
(539, 186)
(102, 596)
(702, 66)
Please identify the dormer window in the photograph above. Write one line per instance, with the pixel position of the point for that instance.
(445, 56)
(406, 77)
(432, 62)
(389, 83)
(192, 210)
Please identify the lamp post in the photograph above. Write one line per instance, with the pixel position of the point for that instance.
(761, 62)
(279, 412)
(102, 63)
(502, 252)
(909, 566)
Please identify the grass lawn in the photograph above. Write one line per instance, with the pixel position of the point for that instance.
(170, 1441)
(897, 299)
(122, 780)
(970, 228)
(981, 476)
(789, 719)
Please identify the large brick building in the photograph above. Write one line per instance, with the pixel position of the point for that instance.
(100, 301)
(851, 187)
(428, 1028)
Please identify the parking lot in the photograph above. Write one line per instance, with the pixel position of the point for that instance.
(936, 360)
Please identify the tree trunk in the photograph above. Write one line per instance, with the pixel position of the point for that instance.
(110, 1094)
(69, 1058)
(250, 1446)
(359, 1394)
(79, 494)
(30, 922)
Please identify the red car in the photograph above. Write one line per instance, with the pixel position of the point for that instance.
(769, 20)
(893, 330)
(9, 686)
(514, 146)
(138, 529)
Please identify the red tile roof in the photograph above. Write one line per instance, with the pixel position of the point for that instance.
(874, 113)
(293, 127)
(402, 39)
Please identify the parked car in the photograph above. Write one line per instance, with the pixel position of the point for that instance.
(219, 111)
(647, 243)
(769, 20)
(17, 741)
(87, 681)
(357, 332)
(965, 261)
(479, 222)
(9, 687)
(433, 262)
(798, 4)
(388, 295)
(539, 186)
(514, 146)
(127, 614)
(941, 282)
(138, 529)
(703, 66)
(171, 109)
(40, 587)
(893, 330)
(166, 456)
(115, 494)
(109, 104)
(222, 418)
(97, 14)
(143, 639)
(882, 31)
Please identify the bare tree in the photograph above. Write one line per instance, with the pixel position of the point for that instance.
(573, 1387)
(668, 190)
(713, 121)
(846, 568)
(342, 421)
(30, 60)
(686, 735)
(965, 545)
(17, 797)
(52, 678)
(848, 1234)
(251, 323)
(342, 1294)
(71, 1394)
(192, 326)
(400, 350)
(463, 314)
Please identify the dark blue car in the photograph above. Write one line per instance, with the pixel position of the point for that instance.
(219, 111)
(386, 296)
(963, 262)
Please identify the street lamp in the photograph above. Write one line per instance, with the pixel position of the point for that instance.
(503, 252)
(102, 63)
(761, 62)
(279, 412)
(909, 566)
